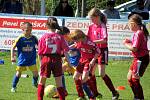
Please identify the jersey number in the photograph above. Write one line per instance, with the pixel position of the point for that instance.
(53, 47)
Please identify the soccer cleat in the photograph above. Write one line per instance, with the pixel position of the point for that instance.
(13, 90)
(115, 96)
(81, 98)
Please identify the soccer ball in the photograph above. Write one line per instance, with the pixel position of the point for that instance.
(50, 91)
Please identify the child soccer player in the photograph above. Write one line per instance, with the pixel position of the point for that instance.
(25, 44)
(50, 47)
(89, 53)
(138, 46)
(97, 32)
(74, 56)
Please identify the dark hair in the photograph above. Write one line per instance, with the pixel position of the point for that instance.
(111, 2)
(61, 1)
(52, 23)
(63, 30)
(138, 20)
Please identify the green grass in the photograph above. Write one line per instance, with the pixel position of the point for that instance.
(117, 70)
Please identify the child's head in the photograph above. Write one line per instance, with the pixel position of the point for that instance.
(135, 23)
(77, 35)
(27, 28)
(97, 16)
(65, 32)
(52, 23)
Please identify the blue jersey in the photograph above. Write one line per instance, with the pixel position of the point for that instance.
(26, 50)
(74, 57)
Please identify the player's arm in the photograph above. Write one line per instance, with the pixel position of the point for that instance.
(129, 46)
(101, 41)
(13, 59)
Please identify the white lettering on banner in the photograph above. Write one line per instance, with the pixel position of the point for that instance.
(6, 23)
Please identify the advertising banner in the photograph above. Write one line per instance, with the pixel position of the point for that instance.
(10, 28)
(117, 30)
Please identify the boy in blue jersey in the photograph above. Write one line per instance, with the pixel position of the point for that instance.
(26, 53)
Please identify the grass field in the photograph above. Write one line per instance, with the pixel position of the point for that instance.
(117, 70)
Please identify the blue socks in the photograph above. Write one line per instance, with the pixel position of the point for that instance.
(15, 81)
(35, 81)
(87, 90)
(63, 81)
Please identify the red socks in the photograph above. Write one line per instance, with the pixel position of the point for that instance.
(92, 85)
(61, 92)
(40, 91)
(79, 88)
(136, 88)
(109, 83)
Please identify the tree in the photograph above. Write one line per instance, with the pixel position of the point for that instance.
(33, 6)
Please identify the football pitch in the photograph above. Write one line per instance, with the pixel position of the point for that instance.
(117, 70)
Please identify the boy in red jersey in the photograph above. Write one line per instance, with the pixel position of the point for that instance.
(89, 53)
(98, 33)
(51, 44)
(138, 46)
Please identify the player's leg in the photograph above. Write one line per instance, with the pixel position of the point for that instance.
(58, 72)
(136, 71)
(45, 72)
(78, 84)
(86, 80)
(60, 87)
(87, 90)
(92, 80)
(17, 77)
(108, 82)
(102, 62)
(34, 70)
(41, 86)
(64, 68)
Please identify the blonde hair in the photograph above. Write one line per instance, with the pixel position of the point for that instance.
(77, 34)
(94, 12)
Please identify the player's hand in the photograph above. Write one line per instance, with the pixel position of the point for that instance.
(13, 59)
(126, 41)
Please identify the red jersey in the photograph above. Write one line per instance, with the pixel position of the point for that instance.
(98, 32)
(87, 49)
(139, 41)
(52, 43)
